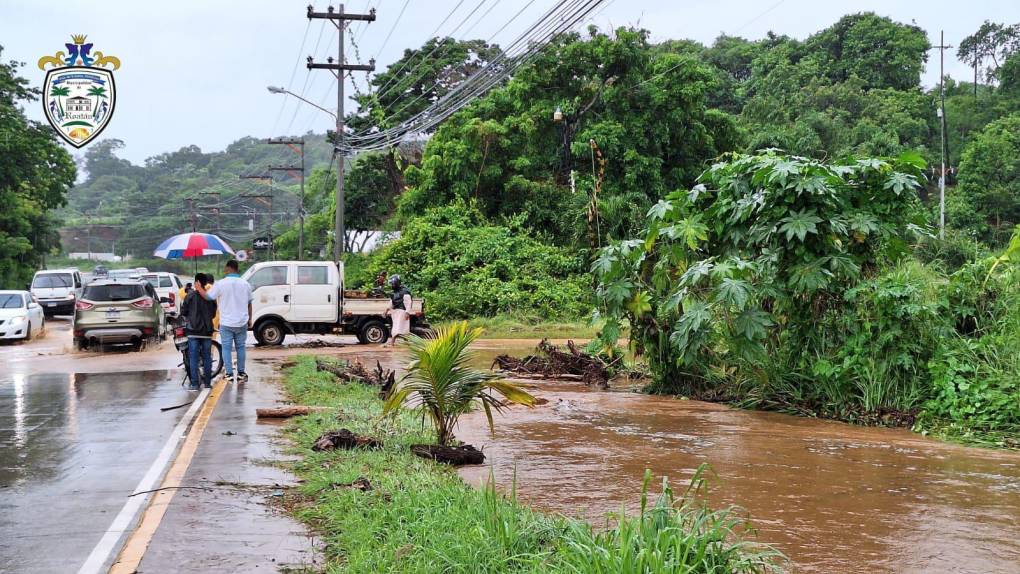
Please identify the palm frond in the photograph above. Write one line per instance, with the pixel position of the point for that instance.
(440, 381)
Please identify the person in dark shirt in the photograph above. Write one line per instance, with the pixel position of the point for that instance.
(198, 313)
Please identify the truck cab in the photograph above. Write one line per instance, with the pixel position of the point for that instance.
(290, 297)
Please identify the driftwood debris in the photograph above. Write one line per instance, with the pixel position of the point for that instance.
(355, 371)
(361, 483)
(452, 455)
(556, 363)
(286, 412)
(344, 439)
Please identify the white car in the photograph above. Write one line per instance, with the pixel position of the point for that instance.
(57, 290)
(20, 315)
(168, 286)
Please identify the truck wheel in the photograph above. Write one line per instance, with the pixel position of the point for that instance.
(374, 332)
(270, 333)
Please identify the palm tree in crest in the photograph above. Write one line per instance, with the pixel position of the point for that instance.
(59, 92)
(99, 92)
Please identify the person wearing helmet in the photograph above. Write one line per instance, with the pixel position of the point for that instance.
(399, 310)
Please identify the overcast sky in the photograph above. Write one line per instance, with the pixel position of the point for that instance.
(195, 71)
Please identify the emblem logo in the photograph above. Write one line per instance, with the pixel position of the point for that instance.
(79, 93)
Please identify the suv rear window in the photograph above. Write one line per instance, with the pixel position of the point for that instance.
(124, 292)
(52, 280)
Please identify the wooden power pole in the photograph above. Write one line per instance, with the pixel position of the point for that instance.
(339, 18)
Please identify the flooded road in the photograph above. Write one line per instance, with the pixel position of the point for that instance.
(832, 497)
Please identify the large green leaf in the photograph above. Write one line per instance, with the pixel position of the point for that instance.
(799, 224)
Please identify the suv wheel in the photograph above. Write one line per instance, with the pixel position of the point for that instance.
(374, 332)
(270, 333)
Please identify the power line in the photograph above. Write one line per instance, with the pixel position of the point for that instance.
(524, 49)
(290, 82)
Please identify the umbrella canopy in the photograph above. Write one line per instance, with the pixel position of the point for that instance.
(192, 245)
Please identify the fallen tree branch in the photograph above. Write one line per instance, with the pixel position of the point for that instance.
(287, 412)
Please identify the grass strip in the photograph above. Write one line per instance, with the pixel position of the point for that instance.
(419, 516)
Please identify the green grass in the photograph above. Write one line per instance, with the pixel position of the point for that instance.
(504, 327)
(420, 517)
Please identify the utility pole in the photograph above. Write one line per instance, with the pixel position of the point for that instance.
(261, 197)
(291, 143)
(339, 18)
(942, 129)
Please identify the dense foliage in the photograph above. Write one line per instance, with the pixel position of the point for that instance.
(35, 175)
(466, 266)
(645, 109)
(987, 201)
(785, 282)
(743, 265)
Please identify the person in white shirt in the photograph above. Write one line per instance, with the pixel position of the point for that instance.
(233, 295)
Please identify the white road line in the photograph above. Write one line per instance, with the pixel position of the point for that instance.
(126, 517)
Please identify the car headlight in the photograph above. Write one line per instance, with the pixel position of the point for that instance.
(70, 297)
(18, 320)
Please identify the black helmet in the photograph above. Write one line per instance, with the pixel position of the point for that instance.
(394, 281)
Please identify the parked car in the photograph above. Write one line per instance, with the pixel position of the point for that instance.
(20, 315)
(115, 311)
(168, 286)
(57, 290)
(100, 271)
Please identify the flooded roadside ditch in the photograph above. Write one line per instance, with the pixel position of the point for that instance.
(833, 497)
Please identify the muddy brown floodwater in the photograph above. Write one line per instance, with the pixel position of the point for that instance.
(831, 496)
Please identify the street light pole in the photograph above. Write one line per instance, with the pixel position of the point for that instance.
(278, 90)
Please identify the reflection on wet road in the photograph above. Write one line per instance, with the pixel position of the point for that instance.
(833, 497)
(72, 447)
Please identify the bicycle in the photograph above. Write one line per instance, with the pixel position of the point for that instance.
(181, 342)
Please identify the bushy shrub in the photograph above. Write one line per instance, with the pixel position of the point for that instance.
(742, 268)
(468, 267)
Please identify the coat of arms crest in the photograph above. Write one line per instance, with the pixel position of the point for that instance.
(79, 93)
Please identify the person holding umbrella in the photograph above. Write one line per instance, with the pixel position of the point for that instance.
(233, 295)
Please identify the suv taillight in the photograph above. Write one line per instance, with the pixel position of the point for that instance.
(144, 303)
(83, 306)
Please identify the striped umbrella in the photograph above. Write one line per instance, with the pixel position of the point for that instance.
(188, 245)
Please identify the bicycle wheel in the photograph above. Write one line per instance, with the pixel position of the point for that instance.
(217, 358)
(186, 363)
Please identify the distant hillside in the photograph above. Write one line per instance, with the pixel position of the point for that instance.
(151, 202)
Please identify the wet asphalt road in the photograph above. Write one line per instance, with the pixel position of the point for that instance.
(72, 447)
(79, 430)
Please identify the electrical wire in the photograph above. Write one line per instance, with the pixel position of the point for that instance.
(424, 93)
(422, 61)
(290, 82)
(392, 28)
(527, 37)
(558, 20)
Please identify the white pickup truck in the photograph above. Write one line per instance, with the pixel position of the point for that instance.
(292, 297)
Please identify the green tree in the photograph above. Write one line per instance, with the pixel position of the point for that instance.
(990, 180)
(882, 53)
(35, 175)
(992, 41)
(645, 109)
